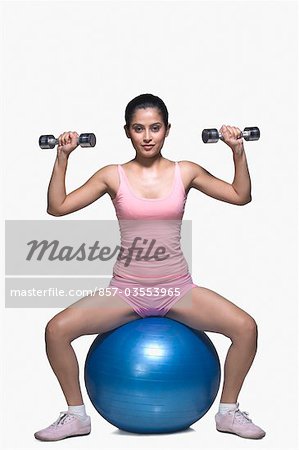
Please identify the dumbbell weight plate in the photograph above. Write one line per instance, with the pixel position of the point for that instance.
(87, 140)
(210, 135)
(253, 135)
(47, 141)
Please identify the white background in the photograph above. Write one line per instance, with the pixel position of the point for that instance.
(71, 65)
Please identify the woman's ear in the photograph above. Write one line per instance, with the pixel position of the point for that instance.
(168, 129)
(127, 132)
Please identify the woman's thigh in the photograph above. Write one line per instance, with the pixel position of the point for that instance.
(93, 314)
(204, 309)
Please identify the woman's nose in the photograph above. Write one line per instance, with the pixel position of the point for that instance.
(147, 136)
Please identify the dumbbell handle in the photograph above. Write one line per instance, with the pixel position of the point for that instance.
(244, 134)
(49, 141)
(212, 135)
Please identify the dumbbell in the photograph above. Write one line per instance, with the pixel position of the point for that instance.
(49, 141)
(212, 135)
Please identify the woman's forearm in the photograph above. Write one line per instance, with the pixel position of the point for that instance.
(56, 189)
(242, 182)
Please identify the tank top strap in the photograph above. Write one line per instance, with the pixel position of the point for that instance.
(120, 172)
(122, 179)
(178, 179)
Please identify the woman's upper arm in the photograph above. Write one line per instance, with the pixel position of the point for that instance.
(94, 188)
(207, 183)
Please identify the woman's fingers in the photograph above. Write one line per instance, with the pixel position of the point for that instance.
(68, 141)
(229, 132)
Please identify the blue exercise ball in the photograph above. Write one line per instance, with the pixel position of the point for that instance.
(152, 375)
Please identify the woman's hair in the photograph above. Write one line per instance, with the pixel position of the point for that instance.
(146, 101)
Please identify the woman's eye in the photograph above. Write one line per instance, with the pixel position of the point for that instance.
(155, 128)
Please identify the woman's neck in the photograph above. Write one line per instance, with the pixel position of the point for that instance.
(154, 162)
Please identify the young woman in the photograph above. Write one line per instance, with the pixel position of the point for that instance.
(150, 189)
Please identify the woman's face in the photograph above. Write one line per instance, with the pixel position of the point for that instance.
(147, 131)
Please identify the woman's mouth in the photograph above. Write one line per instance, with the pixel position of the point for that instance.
(148, 147)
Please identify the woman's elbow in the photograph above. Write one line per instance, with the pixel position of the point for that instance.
(54, 212)
(245, 201)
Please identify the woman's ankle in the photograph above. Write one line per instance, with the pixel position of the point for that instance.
(77, 410)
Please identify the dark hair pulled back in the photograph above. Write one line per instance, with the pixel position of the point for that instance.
(145, 101)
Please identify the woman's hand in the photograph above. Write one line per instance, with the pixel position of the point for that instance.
(232, 137)
(67, 142)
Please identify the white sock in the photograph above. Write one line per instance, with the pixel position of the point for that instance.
(77, 410)
(224, 407)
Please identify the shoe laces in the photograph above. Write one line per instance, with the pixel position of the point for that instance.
(64, 417)
(241, 416)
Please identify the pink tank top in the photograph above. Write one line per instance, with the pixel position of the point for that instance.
(153, 224)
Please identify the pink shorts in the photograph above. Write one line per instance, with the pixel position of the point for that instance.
(152, 299)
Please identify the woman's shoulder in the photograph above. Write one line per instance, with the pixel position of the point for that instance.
(109, 171)
(106, 174)
(189, 167)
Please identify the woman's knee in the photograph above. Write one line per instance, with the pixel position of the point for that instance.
(245, 328)
(56, 329)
